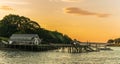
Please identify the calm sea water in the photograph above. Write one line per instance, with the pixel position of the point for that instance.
(53, 57)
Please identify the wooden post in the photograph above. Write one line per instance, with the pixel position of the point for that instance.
(97, 48)
(79, 49)
(70, 49)
(105, 46)
(62, 49)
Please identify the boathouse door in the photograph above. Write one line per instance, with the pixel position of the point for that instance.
(37, 40)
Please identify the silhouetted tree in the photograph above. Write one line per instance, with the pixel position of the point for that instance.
(117, 41)
(110, 41)
(11, 24)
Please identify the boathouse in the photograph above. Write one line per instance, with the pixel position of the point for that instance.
(24, 39)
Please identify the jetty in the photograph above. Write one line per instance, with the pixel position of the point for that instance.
(71, 48)
(32, 42)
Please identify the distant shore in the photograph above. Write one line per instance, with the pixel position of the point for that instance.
(114, 45)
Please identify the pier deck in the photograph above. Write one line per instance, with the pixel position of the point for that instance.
(81, 47)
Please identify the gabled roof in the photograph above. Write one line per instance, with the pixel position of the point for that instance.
(23, 36)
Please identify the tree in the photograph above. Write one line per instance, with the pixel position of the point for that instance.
(67, 39)
(17, 24)
(110, 41)
(29, 27)
(117, 41)
(11, 24)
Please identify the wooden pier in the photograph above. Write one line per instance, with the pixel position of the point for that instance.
(71, 48)
(32, 42)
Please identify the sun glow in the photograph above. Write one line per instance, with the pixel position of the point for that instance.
(84, 20)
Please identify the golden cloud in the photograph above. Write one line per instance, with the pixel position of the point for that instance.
(79, 11)
(66, 0)
(15, 2)
(72, 0)
(6, 8)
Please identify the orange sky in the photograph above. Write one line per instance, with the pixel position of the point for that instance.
(85, 20)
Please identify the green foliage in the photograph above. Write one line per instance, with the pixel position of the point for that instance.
(110, 41)
(14, 23)
(53, 37)
(3, 38)
(116, 41)
(11, 24)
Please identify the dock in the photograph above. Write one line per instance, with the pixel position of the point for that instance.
(32, 42)
(71, 48)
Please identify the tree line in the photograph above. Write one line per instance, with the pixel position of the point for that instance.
(114, 41)
(15, 24)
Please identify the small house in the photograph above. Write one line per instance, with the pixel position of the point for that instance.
(24, 39)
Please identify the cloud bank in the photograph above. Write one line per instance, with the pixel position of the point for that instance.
(6, 8)
(15, 2)
(66, 0)
(79, 11)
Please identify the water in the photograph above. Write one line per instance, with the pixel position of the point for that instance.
(53, 57)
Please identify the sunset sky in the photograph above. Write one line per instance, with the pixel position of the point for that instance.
(85, 20)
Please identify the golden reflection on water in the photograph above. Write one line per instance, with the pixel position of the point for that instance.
(53, 57)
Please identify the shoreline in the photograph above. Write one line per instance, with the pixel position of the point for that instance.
(114, 45)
